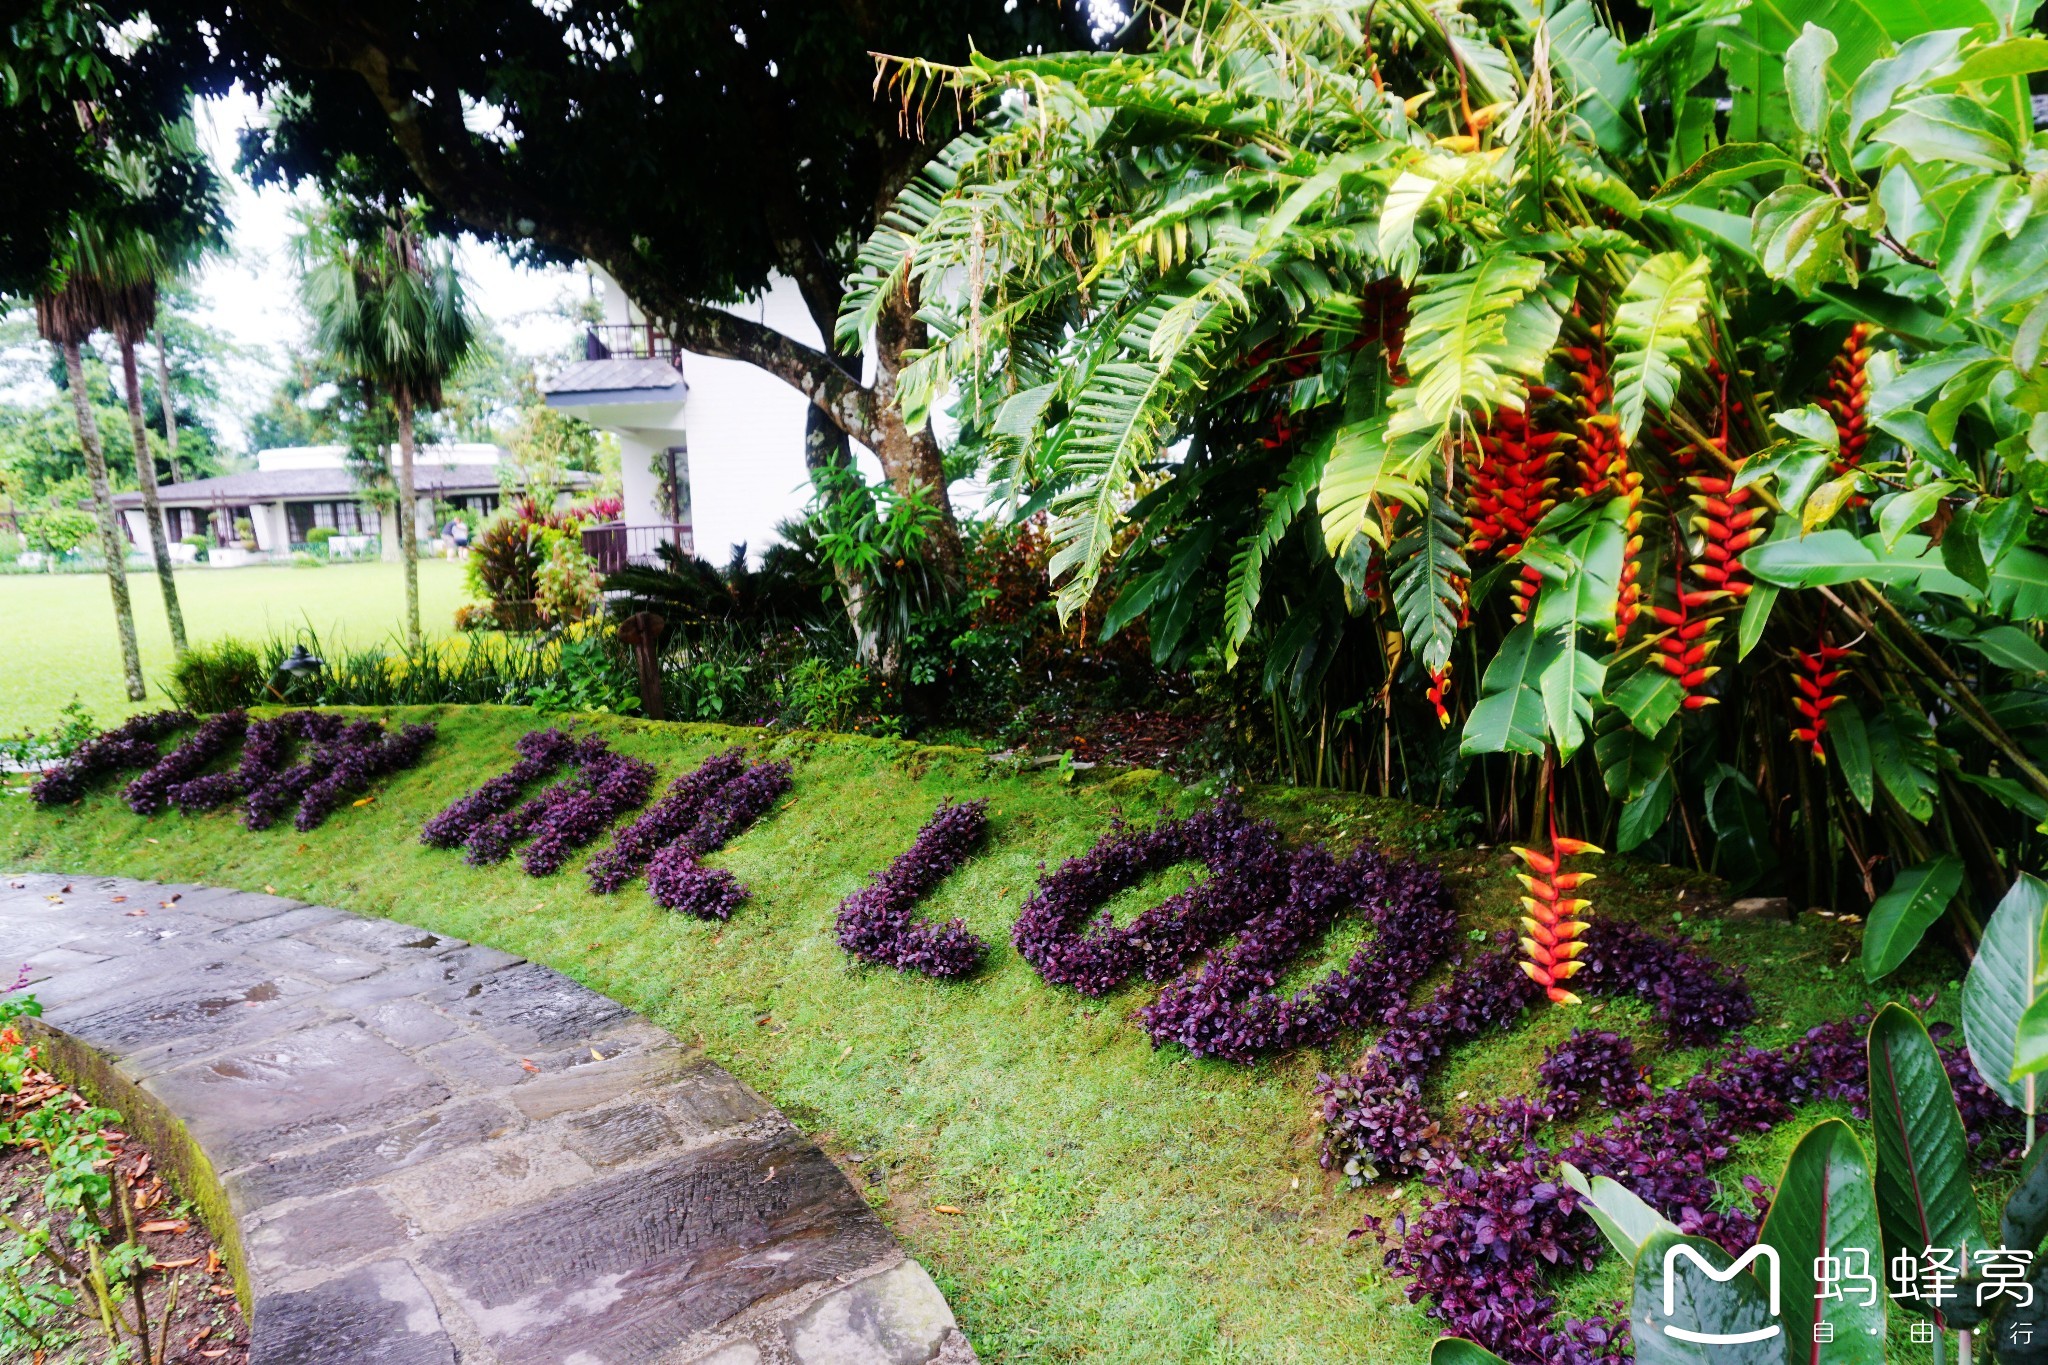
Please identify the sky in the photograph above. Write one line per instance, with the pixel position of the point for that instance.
(250, 295)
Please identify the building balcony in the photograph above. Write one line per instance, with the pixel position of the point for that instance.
(630, 341)
(614, 545)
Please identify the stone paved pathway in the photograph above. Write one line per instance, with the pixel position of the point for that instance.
(435, 1152)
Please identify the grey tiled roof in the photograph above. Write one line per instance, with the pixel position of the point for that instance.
(615, 376)
(304, 485)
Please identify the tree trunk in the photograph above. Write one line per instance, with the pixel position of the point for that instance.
(910, 459)
(163, 388)
(145, 479)
(825, 448)
(113, 545)
(408, 531)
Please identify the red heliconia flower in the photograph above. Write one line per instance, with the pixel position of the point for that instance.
(1509, 486)
(1439, 684)
(1814, 685)
(1600, 462)
(1554, 918)
(1848, 392)
(1728, 524)
(1690, 639)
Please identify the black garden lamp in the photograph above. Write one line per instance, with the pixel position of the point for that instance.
(300, 662)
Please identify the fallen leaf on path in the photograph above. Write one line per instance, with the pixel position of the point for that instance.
(269, 890)
(364, 802)
(945, 1208)
(166, 1225)
(848, 1053)
(175, 1265)
(529, 1066)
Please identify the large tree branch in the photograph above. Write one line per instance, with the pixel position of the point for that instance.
(816, 375)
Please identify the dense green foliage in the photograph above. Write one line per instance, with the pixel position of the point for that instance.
(1434, 366)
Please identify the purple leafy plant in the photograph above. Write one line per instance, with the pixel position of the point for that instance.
(563, 818)
(541, 755)
(1231, 1009)
(678, 880)
(1064, 933)
(879, 922)
(667, 820)
(129, 745)
(151, 792)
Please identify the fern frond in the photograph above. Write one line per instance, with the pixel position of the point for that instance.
(1362, 467)
(1242, 589)
(1429, 573)
(1658, 317)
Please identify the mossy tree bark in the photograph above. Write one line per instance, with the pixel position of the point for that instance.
(408, 528)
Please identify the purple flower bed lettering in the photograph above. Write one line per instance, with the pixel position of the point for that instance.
(339, 760)
(677, 881)
(541, 755)
(125, 747)
(353, 764)
(151, 792)
(879, 922)
(1063, 933)
(675, 877)
(663, 822)
(129, 745)
(563, 818)
(1230, 1010)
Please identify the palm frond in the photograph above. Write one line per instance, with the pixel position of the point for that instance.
(1429, 572)
(1278, 510)
(1474, 337)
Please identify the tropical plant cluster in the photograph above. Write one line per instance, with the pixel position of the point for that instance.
(131, 744)
(1543, 416)
(679, 811)
(879, 923)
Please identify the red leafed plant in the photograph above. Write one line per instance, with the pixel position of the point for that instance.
(1815, 683)
(1555, 918)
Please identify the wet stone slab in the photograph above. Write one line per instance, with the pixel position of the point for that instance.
(439, 1152)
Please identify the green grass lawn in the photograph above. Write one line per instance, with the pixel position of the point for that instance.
(57, 638)
(1118, 1203)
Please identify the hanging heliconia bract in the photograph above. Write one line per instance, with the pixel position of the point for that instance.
(1511, 484)
(1555, 918)
(1848, 392)
(1814, 684)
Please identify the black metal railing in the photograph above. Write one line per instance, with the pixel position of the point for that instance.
(629, 341)
(614, 545)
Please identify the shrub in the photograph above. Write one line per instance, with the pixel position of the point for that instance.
(503, 568)
(675, 878)
(667, 820)
(879, 922)
(475, 616)
(221, 676)
(567, 583)
(319, 536)
(821, 696)
(151, 792)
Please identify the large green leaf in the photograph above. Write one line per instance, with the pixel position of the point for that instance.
(1838, 556)
(1904, 755)
(1508, 717)
(1246, 583)
(1583, 576)
(1363, 467)
(1669, 1313)
(1570, 684)
(1598, 71)
(1851, 746)
(1628, 1222)
(1658, 317)
(1731, 163)
(2004, 981)
(1825, 1207)
(1458, 1351)
(1924, 1197)
(1474, 338)
(1901, 917)
(1650, 698)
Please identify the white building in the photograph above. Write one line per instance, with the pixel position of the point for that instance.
(711, 451)
(294, 489)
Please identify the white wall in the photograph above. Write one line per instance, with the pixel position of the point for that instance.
(746, 431)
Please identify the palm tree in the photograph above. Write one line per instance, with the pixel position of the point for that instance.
(389, 307)
(66, 317)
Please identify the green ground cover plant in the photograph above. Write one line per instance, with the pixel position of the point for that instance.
(1118, 1202)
